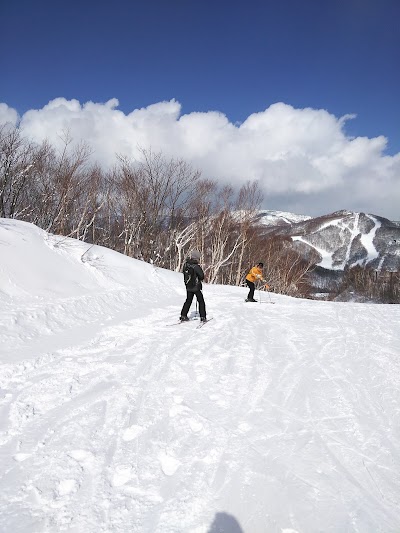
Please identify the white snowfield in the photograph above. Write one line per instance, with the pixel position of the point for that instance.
(271, 418)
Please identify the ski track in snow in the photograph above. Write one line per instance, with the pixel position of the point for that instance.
(284, 416)
(112, 432)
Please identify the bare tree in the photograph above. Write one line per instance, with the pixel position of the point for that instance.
(284, 268)
(248, 204)
(69, 172)
(155, 194)
(182, 238)
(221, 245)
(18, 159)
(62, 186)
(202, 210)
(170, 185)
(90, 197)
(130, 194)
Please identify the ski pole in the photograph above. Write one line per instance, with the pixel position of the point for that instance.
(269, 296)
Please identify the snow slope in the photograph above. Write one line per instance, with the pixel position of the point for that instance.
(271, 418)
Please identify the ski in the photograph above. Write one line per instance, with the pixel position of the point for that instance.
(182, 322)
(190, 320)
(203, 323)
(256, 301)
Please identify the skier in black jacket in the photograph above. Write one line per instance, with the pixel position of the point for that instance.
(193, 276)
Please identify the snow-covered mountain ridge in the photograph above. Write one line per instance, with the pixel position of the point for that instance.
(342, 239)
(279, 218)
(270, 419)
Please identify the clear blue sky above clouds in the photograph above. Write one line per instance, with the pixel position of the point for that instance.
(155, 70)
(237, 57)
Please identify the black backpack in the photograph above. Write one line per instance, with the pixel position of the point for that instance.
(189, 276)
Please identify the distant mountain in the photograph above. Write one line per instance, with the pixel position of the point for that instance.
(280, 218)
(341, 239)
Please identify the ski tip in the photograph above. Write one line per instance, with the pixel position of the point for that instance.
(204, 323)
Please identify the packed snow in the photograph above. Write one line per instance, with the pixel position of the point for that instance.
(367, 240)
(279, 416)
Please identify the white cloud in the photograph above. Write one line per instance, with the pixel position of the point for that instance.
(8, 115)
(302, 158)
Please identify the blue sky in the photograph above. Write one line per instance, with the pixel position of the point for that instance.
(237, 57)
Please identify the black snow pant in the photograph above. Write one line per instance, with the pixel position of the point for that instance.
(251, 286)
(188, 303)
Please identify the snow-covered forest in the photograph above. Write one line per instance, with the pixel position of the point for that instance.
(153, 209)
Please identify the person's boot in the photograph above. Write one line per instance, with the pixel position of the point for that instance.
(183, 318)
